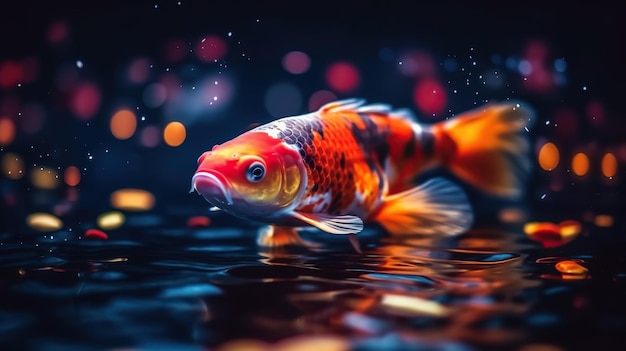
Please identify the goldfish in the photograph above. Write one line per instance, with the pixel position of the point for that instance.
(350, 163)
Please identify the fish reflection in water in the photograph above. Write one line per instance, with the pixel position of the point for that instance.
(422, 288)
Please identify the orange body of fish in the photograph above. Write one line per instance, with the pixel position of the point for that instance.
(349, 162)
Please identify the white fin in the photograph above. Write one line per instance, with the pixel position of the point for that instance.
(342, 105)
(359, 106)
(331, 224)
(435, 207)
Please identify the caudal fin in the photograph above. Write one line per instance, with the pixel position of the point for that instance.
(489, 148)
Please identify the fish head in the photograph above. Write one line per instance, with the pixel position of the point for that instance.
(253, 176)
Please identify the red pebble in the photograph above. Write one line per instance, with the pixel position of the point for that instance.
(96, 234)
(198, 221)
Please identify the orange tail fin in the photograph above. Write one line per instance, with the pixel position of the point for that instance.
(487, 148)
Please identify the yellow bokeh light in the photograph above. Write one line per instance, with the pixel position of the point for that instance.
(44, 222)
(12, 166)
(71, 176)
(132, 199)
(580, 164)
(413, 305)
(7, 131)
(123, 124)
(174, 133)
(609, 165)
(111, 220)
(548, 156)
(44, 177)
(570, 267)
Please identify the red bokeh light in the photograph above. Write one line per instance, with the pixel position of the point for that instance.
(57, 32)
(296, 62)
(417, 64)
(566, 123)
(139, 70)
(596, 112)
(176, 50)
(343, 77)
(430, 96)
(85, 100)
(11, 73)
(210, 48)
(320, 98)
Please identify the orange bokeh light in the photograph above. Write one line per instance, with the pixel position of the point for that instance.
(123, 124)
(548, 156)
(174, 134)
(609, 165)
(580, 164)
(7, 131)
(71, 176)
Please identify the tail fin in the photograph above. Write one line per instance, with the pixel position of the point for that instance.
(489, 148)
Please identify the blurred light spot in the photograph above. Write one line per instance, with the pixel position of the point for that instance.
(430, 96)
(525, 67)
(570, 267)
(44, 177)
(320, 98)
(283, 99)
(174, 134)
(296, 62)
(413, 305)
(11, 74)
(603, 221)
(566, 123)
(132, 200)
(198, 221)
(95, 234)
(66, 78)
(123, 124)
(32, 118)
(450, 65)
(7, 131)
(596, 113)
(85, 100)
(150, 136)
(552, 235)
(79, 64)
(560, 65)
(176, 50)
(512, 215)
(417, 64)
(580, 164)
(343, 77)
(548, 156)
(154, 95)
(44, 222)
(609, 165)
(71, 176)
(12, 166)
(57, 32)
(30, 69)
(386, 54)
(139, 70)
(111, 220)
(244, 345)
(210, 49)
(313, 342)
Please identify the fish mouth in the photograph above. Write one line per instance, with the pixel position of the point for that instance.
(213, 187)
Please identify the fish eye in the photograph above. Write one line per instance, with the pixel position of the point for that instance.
(255, 172)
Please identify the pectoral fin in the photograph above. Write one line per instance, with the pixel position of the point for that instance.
(435, 207)
(331, 224)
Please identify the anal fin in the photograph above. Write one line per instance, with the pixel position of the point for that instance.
(275, 236)
(435, 207)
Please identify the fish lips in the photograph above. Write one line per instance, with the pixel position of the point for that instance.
(214, 187)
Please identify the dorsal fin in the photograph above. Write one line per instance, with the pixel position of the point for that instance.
(359, 106)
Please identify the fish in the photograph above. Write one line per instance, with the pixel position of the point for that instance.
(350, 163)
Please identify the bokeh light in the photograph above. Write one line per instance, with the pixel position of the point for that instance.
(12, 166)
(603, 220)
(57, 32)
(111, 220)
(570, 267)
(132, 199)
(210, 48)
(548, 156)
(85, 100)
(44, 222)
(96, 234)
(7, 131)
(44, 177)
(176, 50)
(174, 134)
(430, 96)
(320, 98)
(296, 62)
(416, 64)
(71, 176)
(343, 77)
(609, 165)
(139, 70)
(32, 119)
(283, 99)
(580, 164)
(11, 73)
(154, 95)
(123, 124)
(150, 136)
